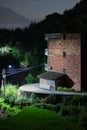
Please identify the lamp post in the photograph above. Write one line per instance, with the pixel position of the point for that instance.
(3, 79)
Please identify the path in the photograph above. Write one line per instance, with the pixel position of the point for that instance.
(34, 88)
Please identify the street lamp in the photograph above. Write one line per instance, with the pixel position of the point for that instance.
(10, 66)
(3, 79)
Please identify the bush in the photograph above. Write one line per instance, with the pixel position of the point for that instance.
(4, 106)
(53, 99)
(65, 89)
(79, 100)
(30, 78)
(21, 101)
(11, 93)
(8, 110)
(27, 59)
(52, 107)
(1, 100)
(33, 98)
(25, 100)
(75, 114)
(12, 111)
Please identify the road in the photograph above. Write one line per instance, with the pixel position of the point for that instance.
(34, 88)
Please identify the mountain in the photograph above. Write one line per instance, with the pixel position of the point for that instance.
(11, 19)
(72, 20)
(76, 18)
(79, 9)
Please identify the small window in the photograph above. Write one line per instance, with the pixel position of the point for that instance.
(64, 36)
(64, 70)
(64, 54)
(50, 67)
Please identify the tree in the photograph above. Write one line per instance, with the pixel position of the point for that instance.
(29, 78)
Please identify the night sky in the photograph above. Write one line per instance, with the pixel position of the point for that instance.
(35, 9)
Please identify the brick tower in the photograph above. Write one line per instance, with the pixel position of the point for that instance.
(64, 55)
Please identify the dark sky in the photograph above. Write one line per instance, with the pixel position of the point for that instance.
(34, 9)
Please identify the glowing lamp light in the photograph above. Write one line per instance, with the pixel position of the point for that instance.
(10, 66)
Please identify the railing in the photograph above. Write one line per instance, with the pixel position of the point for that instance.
(52, 36)
(46, 52)
(47, 67)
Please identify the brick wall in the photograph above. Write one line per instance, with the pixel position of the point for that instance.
(65, 56)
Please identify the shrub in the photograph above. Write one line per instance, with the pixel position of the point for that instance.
(27, 59)
(64, 111)
(11, 93)
(15, 52)
(8, 110)
(53, 99)
(65, 89)
(79, 100)
(12, 111)
(1, 100)
(21, 101)
(24, 100)
(33, 98)
(30, 78)
(52, 107)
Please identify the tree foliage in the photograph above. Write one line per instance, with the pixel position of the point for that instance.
(29, 78)
(31, 39)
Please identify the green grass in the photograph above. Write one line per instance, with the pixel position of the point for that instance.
(33, 118)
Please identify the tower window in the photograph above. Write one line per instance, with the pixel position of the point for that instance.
(64, 70)
(64, 54)
(50, 67)
(64, 36)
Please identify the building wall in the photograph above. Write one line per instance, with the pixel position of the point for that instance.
(65, 57)
(84, 61)
(47, 84)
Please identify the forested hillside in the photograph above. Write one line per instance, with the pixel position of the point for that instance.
(31, 39)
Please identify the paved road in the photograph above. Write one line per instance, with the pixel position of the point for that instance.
(36, 89)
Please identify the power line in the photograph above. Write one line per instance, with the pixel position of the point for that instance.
(11, 71)
(23, 69)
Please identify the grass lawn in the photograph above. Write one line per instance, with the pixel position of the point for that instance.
(33, 118)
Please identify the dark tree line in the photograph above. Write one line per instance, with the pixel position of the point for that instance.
(32, 40)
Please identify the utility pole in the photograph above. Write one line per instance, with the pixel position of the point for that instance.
(3, 79)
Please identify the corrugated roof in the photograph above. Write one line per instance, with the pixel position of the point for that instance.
(51, 75)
